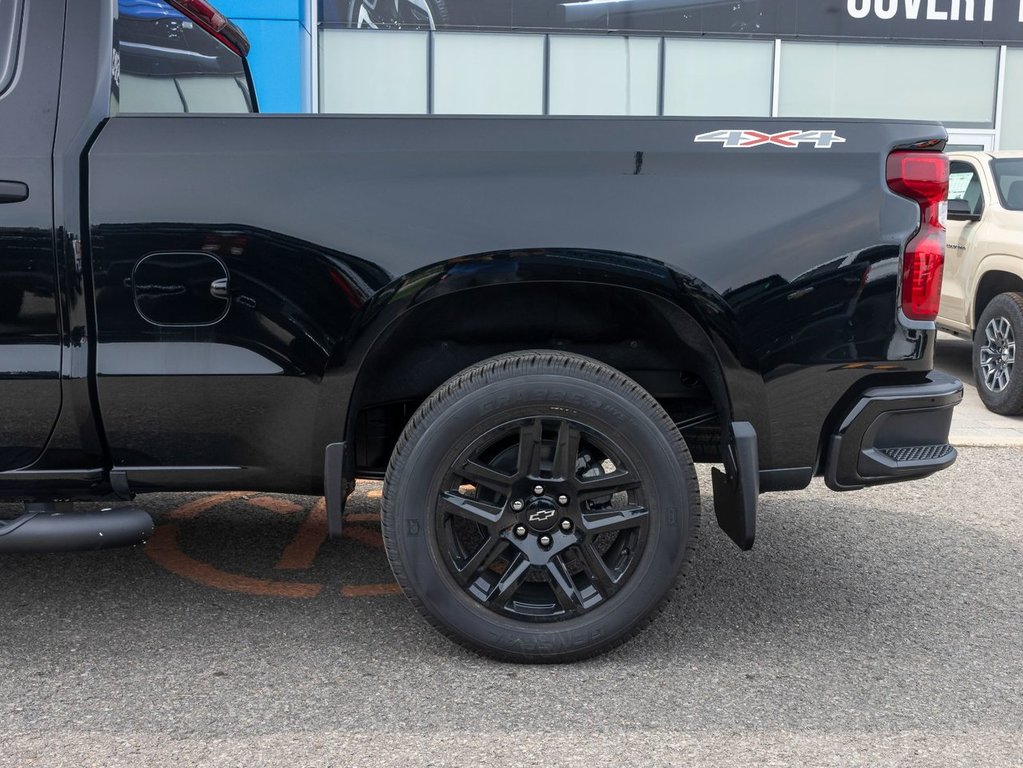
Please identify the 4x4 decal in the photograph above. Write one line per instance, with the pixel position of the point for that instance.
(788, 139)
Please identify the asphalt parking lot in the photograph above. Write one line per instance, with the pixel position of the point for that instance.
(881, 627)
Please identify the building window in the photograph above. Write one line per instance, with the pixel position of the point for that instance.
(603, 75)
(718, 77)
(365, 71)
(955, 85)
(488, 74)
(1012, 106)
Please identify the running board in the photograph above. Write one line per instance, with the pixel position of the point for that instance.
(48, 528)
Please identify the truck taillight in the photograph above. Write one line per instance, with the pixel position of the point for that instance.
(214, 22)
(923, 177)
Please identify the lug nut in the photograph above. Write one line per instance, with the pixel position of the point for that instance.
(520, 531)
(545, 540)
(538, 490)
(517, 505)
(566, 525)
(562, 499)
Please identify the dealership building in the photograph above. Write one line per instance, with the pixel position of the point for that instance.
(957, 61)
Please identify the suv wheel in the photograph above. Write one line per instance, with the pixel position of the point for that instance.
(999, 380)
(539, 507)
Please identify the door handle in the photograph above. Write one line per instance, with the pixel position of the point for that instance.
(220, 289)
(13, 191)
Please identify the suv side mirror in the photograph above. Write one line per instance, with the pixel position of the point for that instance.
(960, 210)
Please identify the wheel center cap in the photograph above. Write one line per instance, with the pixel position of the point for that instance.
(541, 515)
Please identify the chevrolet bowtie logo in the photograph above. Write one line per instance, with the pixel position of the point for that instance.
(541, 515)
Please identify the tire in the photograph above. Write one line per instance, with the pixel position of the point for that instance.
(999, 379)
(474, 562)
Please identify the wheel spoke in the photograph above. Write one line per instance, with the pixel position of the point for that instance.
(600, 575)
(530, 443)
(607, 485)
(489, 551)
(596, 523)
(471, 509)
(561, 582)
(566, 452)
(990, 332)
(510, 581)
(480, 474)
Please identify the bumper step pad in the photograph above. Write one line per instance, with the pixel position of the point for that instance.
(918, 453)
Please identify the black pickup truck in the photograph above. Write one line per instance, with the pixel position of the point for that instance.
(529, 328)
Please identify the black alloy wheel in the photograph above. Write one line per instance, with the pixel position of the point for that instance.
(539, 507)
(541, 519)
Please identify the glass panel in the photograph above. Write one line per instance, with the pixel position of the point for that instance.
(373, 72)
(1009, 180)
(603, 75)
(1012, 107)
(955, 85)
(718, 77)
(964, 184)
(487, 74)
(167, 63)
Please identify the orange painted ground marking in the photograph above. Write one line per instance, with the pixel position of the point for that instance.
(371, 590)
(271, 504)
(301, 552)
(163, 548)
(376, 493)
(368, 517)
(364, 536)
(192, 509)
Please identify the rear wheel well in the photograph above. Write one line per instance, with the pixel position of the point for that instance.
(992, 284)
(646, 337)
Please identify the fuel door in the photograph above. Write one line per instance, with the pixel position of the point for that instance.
(181, 288)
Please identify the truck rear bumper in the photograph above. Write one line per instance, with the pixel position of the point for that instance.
(894, 433)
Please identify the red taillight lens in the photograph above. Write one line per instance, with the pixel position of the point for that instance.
(922, 177)
(921, 277)
(214, 22)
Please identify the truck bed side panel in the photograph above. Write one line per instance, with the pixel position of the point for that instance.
(795, 248)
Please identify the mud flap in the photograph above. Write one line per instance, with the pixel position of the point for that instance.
(334, 487)
(736, 490)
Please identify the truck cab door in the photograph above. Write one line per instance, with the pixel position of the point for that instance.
(960, 237)
(30, 342)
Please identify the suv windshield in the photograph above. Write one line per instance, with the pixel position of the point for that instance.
(167, 63)
(1008, 174)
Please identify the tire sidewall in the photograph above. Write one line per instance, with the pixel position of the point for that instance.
(461, 420)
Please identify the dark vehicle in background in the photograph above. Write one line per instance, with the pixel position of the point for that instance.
(166, 62)
(678, 15)
(528, 328)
